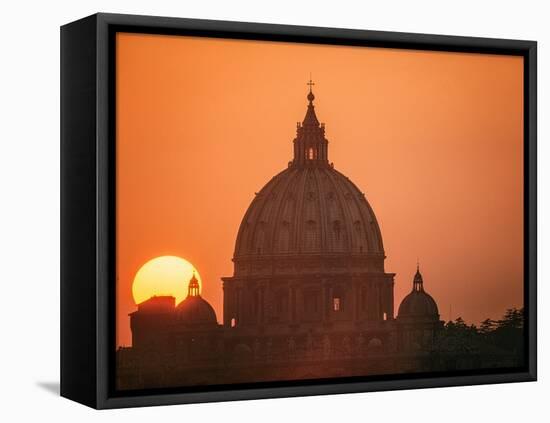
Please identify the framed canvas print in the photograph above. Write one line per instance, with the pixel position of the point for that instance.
(255, 211)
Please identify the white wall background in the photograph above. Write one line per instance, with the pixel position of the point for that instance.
(29, 208)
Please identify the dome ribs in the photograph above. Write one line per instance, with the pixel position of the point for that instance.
(312, 237)
(308, 211)
(281, 215)
(322, 211)
(371, 228)
(341, 193)
(298, 214)
(338, 202)
(268, 215)
(246, 237)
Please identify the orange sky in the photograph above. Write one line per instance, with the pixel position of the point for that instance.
(434, 140)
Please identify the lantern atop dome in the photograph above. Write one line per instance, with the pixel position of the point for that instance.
(310, 144)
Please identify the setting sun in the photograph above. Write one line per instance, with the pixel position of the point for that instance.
(166, 275)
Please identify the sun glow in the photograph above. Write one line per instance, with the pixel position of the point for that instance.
(166, 275)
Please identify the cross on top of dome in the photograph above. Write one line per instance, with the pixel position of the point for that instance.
(310, 96)
(310, 144)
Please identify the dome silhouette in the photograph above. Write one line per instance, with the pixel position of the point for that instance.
(309, 209)
(195, 310)
(309, 296)
(418, 304)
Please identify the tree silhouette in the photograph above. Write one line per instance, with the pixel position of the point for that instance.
(487, 326)
(508, 333)
(493, 342)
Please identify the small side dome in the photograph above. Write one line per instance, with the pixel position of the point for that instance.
(418, 304)
(195, 310)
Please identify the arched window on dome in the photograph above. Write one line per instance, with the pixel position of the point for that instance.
(310, 153)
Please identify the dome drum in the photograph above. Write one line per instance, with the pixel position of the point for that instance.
(280, 265)
(301, 299)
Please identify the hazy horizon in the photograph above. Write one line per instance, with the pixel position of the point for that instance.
(434, 140)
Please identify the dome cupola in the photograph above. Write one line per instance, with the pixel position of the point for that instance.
(310, 144)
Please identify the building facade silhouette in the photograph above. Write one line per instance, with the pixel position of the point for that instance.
(309, 297)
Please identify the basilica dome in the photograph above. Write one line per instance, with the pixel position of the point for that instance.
(418, 304)
(310, 208)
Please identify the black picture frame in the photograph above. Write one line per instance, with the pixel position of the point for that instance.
(88, 204)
